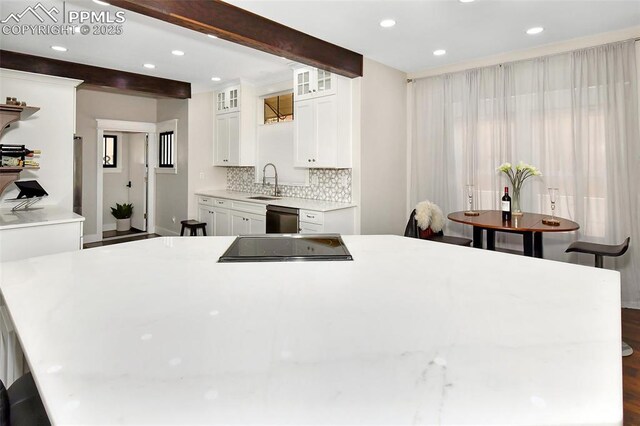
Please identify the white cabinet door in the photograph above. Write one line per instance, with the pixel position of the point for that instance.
(257, 224)
(310, 228)
(313, 82)
(222, 222)
(326, 132)
(243, 223)
(221, 144)
(305, 145)
(233, 124)
(205, 215)
(228, 100)
(239, 223)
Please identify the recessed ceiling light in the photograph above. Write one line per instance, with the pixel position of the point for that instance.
(101, 3)
(215, 78)
(150, 66)
(439, 52)
(59, 48)
(466, 1)
(535, 30)
(211, 36)
(177, 52)
(387, 23)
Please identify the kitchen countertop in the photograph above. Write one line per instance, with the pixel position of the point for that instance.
(411, 331)
(36, 216)
(299, 203)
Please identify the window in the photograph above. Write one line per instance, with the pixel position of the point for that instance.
(278, 108)
(110, 159)
(166, 150)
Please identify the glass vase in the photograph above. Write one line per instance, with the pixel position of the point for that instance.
(515, 201)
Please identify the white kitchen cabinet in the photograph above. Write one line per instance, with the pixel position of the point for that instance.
(335, 221)
(313, 82)
(235, 127)
(228, 100)
(243, 223)
(322, 129)
(215, 213)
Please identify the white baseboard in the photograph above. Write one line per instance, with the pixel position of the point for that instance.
(108, 227)
(93, 238)
(166, 232)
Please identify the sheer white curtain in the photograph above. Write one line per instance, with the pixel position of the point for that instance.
(574, 116)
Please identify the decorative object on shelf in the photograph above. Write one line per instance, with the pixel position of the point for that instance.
(18, 156)
(122, 213)
(470, 211)
(552, 221)
(517, 177)
(10, 114)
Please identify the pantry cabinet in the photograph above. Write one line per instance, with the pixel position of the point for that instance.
(234, 126)
(322, 129)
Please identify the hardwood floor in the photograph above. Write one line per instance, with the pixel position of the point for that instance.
(631, 366)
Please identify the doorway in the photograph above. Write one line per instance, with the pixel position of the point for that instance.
(125, 178)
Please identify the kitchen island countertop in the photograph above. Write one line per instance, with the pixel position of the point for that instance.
(409, 332)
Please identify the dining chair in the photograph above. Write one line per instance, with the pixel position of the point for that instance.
(600, 251)
(20, 405)
(432, 228)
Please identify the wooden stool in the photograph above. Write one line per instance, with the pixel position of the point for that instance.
(193, 225)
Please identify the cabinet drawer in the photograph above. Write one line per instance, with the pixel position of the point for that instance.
(311, 228)
(207, 201)
(221, 202)
(244, 206)
(311, 216)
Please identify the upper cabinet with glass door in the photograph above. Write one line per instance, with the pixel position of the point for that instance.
(313, 82)
(228, 100)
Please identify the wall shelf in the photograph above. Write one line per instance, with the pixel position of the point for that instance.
(10, 114)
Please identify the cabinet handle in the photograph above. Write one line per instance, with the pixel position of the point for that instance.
(311, 217)
(309, 160)
(314, 160)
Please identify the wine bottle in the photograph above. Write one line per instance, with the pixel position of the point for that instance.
(506, 205)
(10, 152)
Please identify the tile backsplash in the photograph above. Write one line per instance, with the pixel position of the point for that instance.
(331, 184)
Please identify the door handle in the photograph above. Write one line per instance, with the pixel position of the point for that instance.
(129, 184)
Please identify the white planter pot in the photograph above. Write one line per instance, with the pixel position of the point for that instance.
(123, 225)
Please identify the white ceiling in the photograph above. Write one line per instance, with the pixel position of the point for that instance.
(466, 30)
(147, 40)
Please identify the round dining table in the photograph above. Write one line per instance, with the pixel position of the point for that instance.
(529, 225)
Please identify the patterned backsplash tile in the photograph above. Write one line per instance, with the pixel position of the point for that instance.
(329, 188)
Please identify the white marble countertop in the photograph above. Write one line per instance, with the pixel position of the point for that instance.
(36, 216)
(298, 203)
(411, 332)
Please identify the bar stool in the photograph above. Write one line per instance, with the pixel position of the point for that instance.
(601, 250)
(20, 405)
(193, 226)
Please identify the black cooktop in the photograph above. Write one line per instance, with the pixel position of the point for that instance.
(286, 248)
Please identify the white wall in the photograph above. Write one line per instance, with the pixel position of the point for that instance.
(172, 191)
(202, 174)
(383, 149)
(50, 130)
(114, 181)
(92, 105)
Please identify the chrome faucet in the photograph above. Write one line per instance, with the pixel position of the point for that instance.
(276, 191)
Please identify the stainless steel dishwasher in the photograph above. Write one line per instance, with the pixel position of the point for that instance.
(282, 220)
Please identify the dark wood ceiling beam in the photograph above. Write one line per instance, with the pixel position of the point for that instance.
(231, 23)
(96, 76)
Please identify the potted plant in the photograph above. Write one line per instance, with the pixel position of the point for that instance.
(122, 213)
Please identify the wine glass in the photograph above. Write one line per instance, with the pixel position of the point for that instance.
(469, 192)
(553, 197)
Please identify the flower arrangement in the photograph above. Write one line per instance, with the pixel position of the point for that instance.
(517, 177)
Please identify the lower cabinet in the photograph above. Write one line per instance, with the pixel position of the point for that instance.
(228, 217)
(243, 223)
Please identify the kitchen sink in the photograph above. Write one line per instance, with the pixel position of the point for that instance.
(263, 198)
